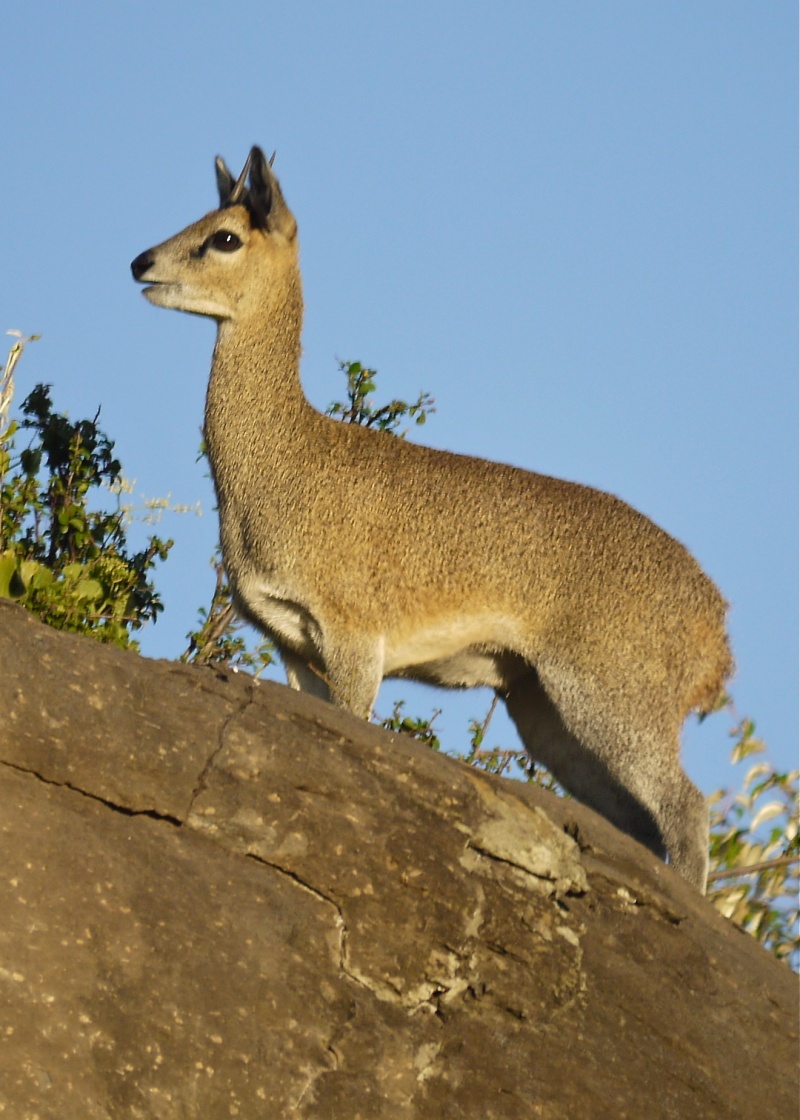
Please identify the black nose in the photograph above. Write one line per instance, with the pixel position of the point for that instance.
(140, 266)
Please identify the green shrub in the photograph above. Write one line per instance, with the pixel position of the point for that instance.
(64, 560)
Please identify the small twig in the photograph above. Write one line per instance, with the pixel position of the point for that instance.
(489, 714)
(7, 379)
(480, 735)
(752, 868)
(215, 632)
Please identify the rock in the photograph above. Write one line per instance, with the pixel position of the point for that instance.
(221, 898)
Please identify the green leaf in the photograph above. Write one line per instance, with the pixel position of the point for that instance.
(31, 460)
(36, 576)
(88, 589)
(9, 577)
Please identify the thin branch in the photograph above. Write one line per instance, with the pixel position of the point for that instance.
(489, 714)
(752, 868)
(478, 738)
(214, 633)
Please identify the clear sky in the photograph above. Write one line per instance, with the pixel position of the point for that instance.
(574, 224)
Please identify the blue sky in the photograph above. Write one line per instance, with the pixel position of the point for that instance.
(574, 224)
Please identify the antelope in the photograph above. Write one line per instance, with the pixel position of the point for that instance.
(363, 556)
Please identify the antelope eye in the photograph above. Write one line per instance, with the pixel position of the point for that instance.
(224, 241)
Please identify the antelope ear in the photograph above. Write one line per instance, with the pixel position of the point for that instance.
(225, 180)
(261, 194)
(265, 199)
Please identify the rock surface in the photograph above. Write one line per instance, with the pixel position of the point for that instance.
(220, 898)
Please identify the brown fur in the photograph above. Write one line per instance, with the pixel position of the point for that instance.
(364, 556)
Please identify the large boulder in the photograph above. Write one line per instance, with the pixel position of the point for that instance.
(221, 898)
